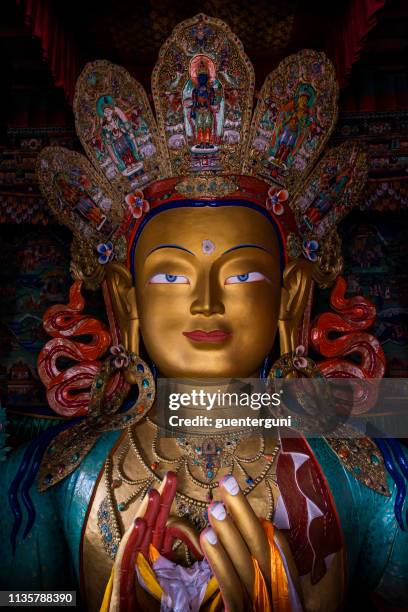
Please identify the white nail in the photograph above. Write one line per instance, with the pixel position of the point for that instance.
(218, 511)
(231, 485)
(211, 536)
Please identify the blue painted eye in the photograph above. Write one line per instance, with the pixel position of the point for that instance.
(249, 277)
(174, 279)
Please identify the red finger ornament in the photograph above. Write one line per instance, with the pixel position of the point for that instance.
(153, 507)
(168, 540)
(166, 499)
(127, 567)
(175, 532)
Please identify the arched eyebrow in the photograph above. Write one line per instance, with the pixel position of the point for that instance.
(169, 246)
(245, 246)
(235, 248)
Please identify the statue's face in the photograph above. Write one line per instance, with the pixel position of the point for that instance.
(208, 291)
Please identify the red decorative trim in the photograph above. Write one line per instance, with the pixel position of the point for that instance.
(314, 528)
(248, 189)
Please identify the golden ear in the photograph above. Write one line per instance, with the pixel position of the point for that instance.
(297, 278)
(123, 296)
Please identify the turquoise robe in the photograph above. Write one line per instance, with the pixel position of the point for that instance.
(50, 556)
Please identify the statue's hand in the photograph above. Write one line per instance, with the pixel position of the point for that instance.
(155, 527)
(230, 544)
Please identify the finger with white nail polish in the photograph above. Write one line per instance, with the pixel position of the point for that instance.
(233, 544)
(247, 523)
(210, 536)
(230, 484)
(223, 569)
(217, 510)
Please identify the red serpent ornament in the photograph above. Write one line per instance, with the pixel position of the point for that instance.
(68, 389)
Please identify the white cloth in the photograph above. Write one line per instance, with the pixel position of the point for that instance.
(184, 587)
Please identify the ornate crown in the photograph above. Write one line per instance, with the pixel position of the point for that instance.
(202, 146)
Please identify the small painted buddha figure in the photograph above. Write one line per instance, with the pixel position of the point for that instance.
(203, 99)
(213, 279)
(117, 134)
(205, 103)
(74, 192)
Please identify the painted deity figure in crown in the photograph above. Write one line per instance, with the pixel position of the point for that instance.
(293, 126)
(204, 104)
(118, 136)
(78, 192)
(75, 192)
(206, 275)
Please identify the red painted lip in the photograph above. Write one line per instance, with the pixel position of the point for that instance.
(217, 335)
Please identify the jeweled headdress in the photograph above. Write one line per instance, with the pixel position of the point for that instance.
(204, 145)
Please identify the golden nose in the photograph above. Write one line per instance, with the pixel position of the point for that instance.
(207, 300)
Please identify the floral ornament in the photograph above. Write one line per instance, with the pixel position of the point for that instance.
(275, 200)
(299, 361)
(309, 249)
(121, 359)
(105, 251)
(137, 204)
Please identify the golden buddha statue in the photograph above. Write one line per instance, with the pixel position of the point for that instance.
(208, 268)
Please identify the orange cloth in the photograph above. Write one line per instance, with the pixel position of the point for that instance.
(279, 580)
(261, 601)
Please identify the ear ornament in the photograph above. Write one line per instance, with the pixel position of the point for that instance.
(68, 449)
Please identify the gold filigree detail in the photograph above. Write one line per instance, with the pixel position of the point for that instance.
(207, 42)
(188, 507)
(79, 195)
(120, 250)
(206, 187)
(116, 127)
(67, 450)
(331, 190)
(203, 87)
(361, 457)
(330, 262)
(84, 264)
(84, 261)
(294, 117)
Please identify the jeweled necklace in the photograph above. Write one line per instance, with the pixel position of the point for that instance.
(209, 453)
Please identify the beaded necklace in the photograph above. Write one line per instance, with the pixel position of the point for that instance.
(208, 453)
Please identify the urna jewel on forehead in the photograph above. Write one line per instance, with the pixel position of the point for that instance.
(206, 146)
